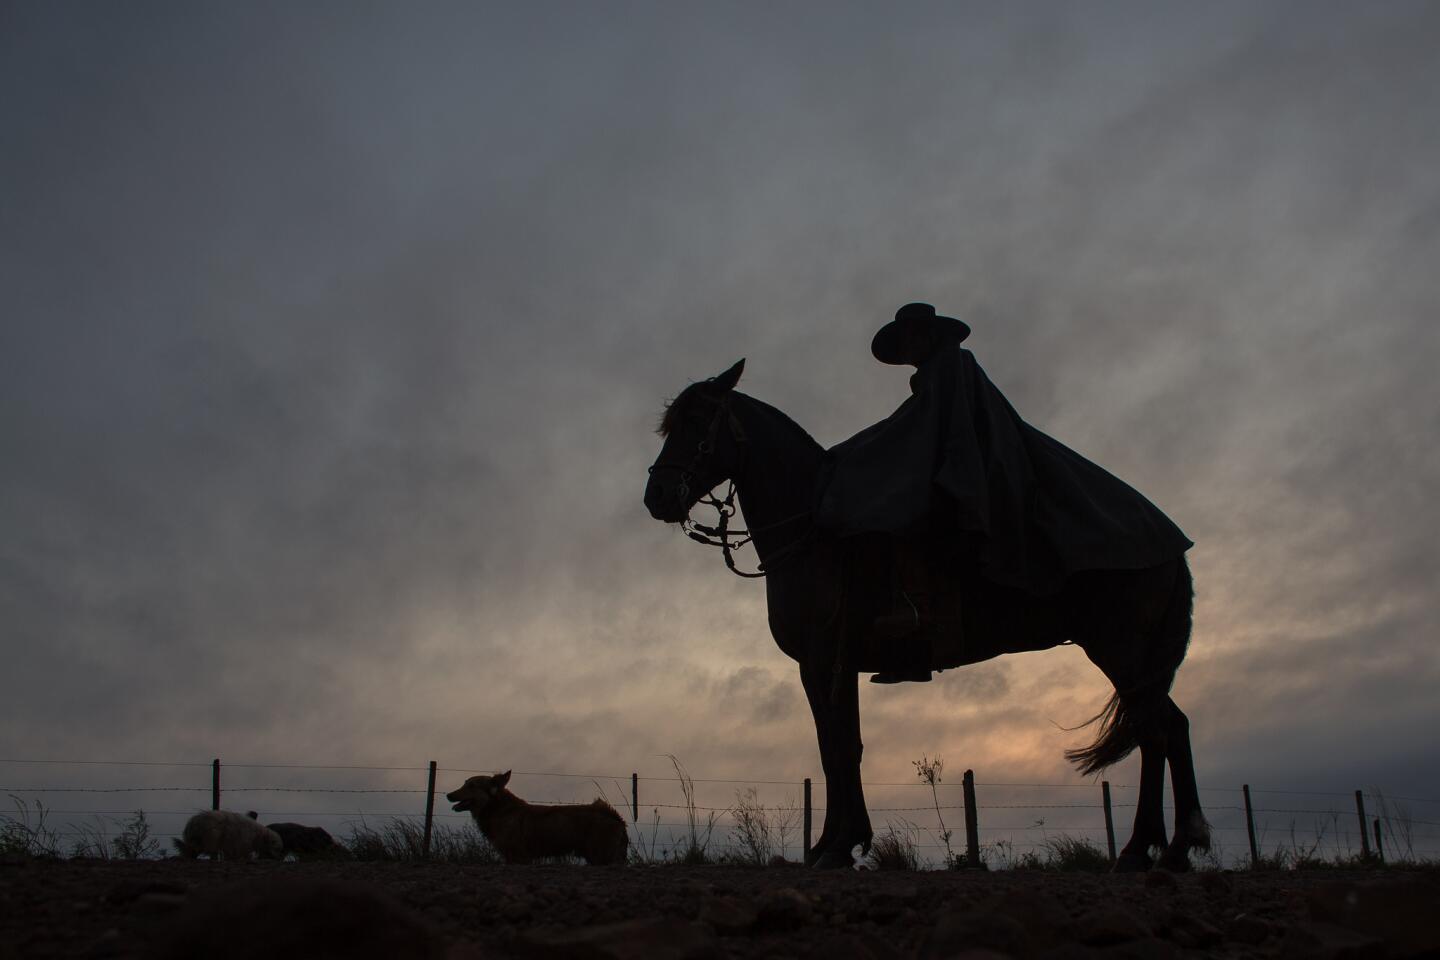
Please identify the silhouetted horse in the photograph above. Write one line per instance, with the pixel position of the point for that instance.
(1133, 625)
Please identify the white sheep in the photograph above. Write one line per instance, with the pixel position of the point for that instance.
(234, 836)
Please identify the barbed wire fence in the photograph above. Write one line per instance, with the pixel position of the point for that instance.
(1001, 822)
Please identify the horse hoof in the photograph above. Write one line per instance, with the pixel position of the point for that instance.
(834, 859)
(1131, 863)
(823, 846)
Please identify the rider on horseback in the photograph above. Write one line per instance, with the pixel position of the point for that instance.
(958, 482)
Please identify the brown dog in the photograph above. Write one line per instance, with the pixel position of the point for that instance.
(524, 831)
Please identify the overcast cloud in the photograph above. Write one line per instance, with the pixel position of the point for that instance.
(333, 336)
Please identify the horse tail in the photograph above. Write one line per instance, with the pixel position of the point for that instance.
(1114, 742)
(1118, 720)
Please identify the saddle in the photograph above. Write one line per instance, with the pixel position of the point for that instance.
(912, 605)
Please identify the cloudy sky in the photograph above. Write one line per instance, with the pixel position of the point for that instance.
(333, 337)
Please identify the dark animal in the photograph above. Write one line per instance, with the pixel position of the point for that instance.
(1132, 624)
(308, 843)
(522, 831)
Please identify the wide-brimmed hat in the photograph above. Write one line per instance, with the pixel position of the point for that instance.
(887, 343)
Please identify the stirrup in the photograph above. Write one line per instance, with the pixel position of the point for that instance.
(914, 638)
(904, 619)
(903, 676)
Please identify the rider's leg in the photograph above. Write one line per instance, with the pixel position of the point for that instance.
(911, 624)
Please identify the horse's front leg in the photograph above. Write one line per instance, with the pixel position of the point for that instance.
(835, 703)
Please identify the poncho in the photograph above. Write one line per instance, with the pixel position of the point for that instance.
(956, 461)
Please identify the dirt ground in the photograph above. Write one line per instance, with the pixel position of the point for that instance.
(174, 908)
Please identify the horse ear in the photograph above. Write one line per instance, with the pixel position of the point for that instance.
(502, 779)
(727, 380)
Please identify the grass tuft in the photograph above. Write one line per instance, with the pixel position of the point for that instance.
(695, 845)
(25, 835)
(402, 839)
(1067, 854)
(895, 849)
(760, 835)
(1060, 854)
(132, 843)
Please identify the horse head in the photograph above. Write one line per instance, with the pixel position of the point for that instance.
(702, 447)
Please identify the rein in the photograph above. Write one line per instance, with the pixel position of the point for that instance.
(720, 534)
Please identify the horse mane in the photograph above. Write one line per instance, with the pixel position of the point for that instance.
(780, 420)
(670, 414)
(668, 418)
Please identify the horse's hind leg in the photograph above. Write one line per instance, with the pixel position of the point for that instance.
(1159, 620)
(1149, 828)
(1137, 718)
(1191, 830)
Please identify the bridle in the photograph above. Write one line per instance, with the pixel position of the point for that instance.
(705, 448)
(721, 535)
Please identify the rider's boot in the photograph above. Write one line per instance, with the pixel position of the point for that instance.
(909, 630)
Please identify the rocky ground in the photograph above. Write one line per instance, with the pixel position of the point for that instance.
(174, 908)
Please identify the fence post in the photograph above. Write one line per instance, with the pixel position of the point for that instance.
(635, 798)
(215, 784)
(1364, 833)
(1109, 820)
(805, 858)
(1250, 826)
(429, 813)
(1379, 845)
(972, 821)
